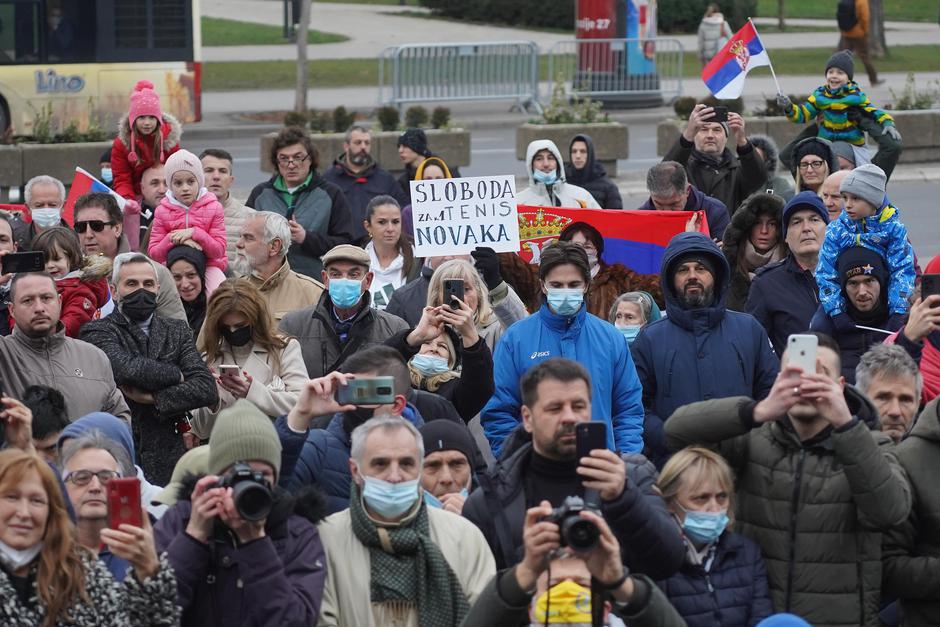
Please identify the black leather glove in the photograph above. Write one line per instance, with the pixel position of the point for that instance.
(487, 264)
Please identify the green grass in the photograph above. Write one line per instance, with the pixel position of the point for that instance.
(413, 3)
(222, 32)
(224, 76)
(793, 28)
(903, 10)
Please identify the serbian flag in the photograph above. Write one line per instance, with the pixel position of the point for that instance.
(637, 239)
(725, 73)
(85, 183)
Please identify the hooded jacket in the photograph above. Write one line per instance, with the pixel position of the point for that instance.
(83, 293)
(737, 238)
(318, 206)
(817, 508)
(595, 344)
(558, 194)
(695, 354)
(883, 233)
(276, 580)
(912, 549)
(206, 217)
(127, 175)
(361, 187)
(716, 213)
(776, 183)
(593, 177)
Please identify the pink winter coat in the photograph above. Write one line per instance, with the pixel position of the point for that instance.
(207, 219)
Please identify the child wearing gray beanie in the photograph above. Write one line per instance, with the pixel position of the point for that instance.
(868, 220)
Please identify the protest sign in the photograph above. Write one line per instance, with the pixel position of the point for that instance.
(455, 216)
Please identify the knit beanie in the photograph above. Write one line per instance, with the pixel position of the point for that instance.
(783, 620)
(703, 258)
(818, 146)
(243, 433)
(415, 139)
(187, 253)
(859, 260)
(803, 200)
(844, 150)
(842, 60)
(144, 101)
(445, 435)
(868, 183)
(184, 161)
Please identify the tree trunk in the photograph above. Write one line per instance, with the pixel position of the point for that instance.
(781, 19)
(303, 25)
(877, 46)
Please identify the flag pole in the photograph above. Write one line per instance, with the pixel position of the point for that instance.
(769, 62)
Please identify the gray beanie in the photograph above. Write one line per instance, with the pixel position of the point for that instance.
(844, 150)
(242, 433)
(868, 183)
(842, 60)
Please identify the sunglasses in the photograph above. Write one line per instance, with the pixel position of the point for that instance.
(96, 225)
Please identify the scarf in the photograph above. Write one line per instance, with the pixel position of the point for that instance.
(751, 259)
(407, 567)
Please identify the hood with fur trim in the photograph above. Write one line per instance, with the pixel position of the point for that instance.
(534, 148)
(770, 150)
(170, 128)
(744, 219)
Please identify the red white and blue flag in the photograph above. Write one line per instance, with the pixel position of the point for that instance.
(725, 73)
(85, 183)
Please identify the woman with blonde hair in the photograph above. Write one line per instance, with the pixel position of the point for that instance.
(490, 321)
(723, 579)
(246, 355)
(48, 579)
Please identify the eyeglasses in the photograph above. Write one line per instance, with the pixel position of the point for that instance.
(83, 477)
(815, 165)
(285, 160)
(96, 225)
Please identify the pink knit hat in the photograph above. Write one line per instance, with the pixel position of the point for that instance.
(184, 161)
(144, 101)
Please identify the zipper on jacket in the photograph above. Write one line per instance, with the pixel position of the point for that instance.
(794, 505)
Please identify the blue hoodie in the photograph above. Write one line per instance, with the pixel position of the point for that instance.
(698, 354)
(592, 342)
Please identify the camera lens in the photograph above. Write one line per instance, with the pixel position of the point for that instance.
(252, 500)
(581, 535)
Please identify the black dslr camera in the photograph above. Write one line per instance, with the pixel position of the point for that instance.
(579, 534)
(250, 491)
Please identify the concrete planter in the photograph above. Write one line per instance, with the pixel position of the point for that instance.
(920, 129)
(611, 140)
(11, 166)
(21, 162)
(453, 146)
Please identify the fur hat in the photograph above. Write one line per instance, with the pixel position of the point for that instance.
(842, 60)
(144, 101)
(184, 161)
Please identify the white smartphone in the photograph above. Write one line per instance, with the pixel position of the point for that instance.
(230, 370)
(801, 351)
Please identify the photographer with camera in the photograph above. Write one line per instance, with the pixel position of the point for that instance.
(244, 552)
(575, 587)
(556, 397)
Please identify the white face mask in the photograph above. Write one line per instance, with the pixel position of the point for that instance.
(15, 559)
(45, 217)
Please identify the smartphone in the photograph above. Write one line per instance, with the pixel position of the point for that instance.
(367, 391)
(24, 262)
(720, 115)
(801, 351)
(124, 506)
(590, 436)
(232, 371)
(453, 288)
(929, 285)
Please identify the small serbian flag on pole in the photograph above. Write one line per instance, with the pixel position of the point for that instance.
(725, 73)
(85, 183)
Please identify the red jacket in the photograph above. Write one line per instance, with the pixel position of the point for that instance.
(81, 300)
(127, 174)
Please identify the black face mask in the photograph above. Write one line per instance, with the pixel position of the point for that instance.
(139, 305)
(238, 337)
(356, 417)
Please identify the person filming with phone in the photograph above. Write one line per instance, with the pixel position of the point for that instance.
(567, 461)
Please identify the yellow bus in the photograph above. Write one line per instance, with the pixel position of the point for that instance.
(79, 60)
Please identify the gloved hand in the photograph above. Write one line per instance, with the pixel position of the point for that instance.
(131, 207)
(843, 323)
(783, 102)
(487, 264)
(893, 133)
(895, 321)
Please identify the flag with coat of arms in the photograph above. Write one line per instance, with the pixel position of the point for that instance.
(725, 73)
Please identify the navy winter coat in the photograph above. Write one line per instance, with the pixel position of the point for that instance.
(732, 593)
(716, 213)
(362, 187)
(698, 354)
(783, 297)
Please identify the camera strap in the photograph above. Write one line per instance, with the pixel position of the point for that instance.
(501, 523)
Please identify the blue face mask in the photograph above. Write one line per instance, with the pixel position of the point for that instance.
(430, 365)
(565, 301)
(433, 501)
(630, 331)
(389, 499)
(545, 177)
(345, 293)
(704, 527)
(106, 175)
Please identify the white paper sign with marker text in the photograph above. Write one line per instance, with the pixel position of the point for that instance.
(455, 216)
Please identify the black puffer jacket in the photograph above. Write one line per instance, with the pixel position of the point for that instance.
(731, 177)
(593, 177)
(735, 240)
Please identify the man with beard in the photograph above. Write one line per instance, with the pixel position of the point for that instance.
(361, 179)
(818, 484)
(700, 350)
(261, 256)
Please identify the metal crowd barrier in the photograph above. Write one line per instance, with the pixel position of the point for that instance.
(635, 70)
(505, 70)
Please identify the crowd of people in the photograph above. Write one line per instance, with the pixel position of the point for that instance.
(324, 433)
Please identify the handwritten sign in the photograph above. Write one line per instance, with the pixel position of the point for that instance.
(455, 216)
